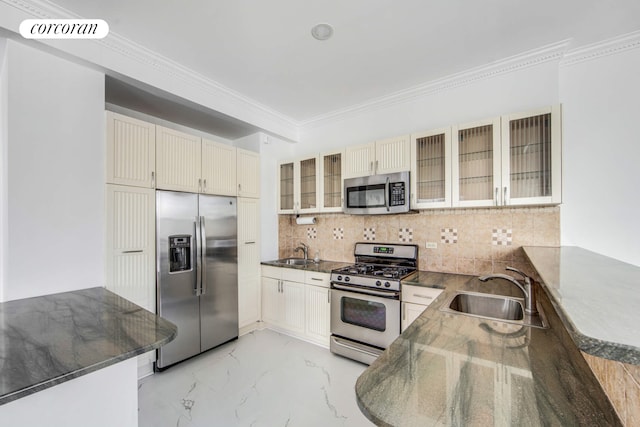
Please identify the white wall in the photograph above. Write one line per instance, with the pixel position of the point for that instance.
(55, 175)
(4, 85)
(601, 183)
(106, 398)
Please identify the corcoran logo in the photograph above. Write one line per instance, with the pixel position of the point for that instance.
(64, 29)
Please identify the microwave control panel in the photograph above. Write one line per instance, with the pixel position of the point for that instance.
(396, 194)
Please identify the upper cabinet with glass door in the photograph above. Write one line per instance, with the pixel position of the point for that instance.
(476, 163)
(331, 172)
(431, 169)
(298, 185)
(510, 160)
(531, 152)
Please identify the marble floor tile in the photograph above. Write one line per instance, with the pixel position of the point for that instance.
(262, 379)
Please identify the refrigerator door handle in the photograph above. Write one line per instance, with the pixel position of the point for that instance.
(198, 256)
(203, 255)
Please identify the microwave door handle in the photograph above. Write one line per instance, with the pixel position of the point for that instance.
(386, 194)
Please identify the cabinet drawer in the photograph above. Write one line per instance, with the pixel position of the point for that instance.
(273, 272)
(419, 295)
(317, 279)
(293, 275)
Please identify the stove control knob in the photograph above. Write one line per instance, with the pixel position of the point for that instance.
(347, 278)
(378, 283)
(387, 284)
(339, 278)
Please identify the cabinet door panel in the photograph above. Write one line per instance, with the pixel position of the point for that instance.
(531, 165)
(317, 314)
(218, 168)
(293, 306)
(271, 301)
(476, 164)
(248, 173)
(359, 160)
(393, 154)
(177, 160)
(431, 171)
(130, 239)
(130, 151)
(286, 188)
(331, 173)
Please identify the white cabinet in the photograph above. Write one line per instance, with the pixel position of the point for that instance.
(331, 188)
(130, 239)
(248, 173)
(415, 299)
(283, 300)
(177, 161)
(431, 169)
(248, 262)
(218, 168)
(130, 252)
(510, 160)
(298, 186)
(531, 157)
(384, 156)
(131, 155)
(476, 163)
(296, 302)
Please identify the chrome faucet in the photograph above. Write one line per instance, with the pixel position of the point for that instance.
(305, 250)
(528, 288)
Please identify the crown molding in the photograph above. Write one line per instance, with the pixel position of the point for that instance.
(601, 49)
(551, 52)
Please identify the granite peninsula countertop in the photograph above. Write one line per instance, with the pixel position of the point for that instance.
(323, 266)
(452, 370)
(597, 298)
(51, 339)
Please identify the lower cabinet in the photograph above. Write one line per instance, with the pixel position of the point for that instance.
(415, 299)
(296, 302)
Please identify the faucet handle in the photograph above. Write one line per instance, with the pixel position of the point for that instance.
(515, 270)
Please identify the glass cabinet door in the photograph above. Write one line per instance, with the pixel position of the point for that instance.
(476, 156)
(331, 185)
(531, 157)
(286, 187)
(430, 180)
(308, 184)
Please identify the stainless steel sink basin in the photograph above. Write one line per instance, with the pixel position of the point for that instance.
(294, 261)
(494, 307)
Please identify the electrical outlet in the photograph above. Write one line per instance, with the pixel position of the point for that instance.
(432, 245)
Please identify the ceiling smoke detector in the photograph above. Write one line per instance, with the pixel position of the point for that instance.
(322, 31)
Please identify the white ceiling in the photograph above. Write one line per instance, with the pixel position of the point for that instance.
(264, 50)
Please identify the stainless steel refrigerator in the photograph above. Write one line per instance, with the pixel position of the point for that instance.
(197, 271)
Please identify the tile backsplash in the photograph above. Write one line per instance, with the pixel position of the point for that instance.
(468, 241)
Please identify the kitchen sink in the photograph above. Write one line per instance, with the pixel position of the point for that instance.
(294, 261)
(494, 307)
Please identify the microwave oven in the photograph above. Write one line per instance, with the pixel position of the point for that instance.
(377, 194)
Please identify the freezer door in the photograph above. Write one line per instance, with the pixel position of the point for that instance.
(219, 299)
(176, 273)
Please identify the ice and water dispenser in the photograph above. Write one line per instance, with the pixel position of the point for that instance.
(179, 253)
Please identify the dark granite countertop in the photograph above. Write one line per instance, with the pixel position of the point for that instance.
(597, 298)
(449, 369)
(55, 338)
(322, 267)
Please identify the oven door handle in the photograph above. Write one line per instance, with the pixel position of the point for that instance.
(390, 294)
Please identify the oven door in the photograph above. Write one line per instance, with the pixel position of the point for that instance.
(369, 319)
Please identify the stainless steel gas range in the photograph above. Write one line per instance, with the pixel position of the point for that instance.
(365, 299)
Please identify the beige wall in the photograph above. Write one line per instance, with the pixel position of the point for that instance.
(469, 241)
